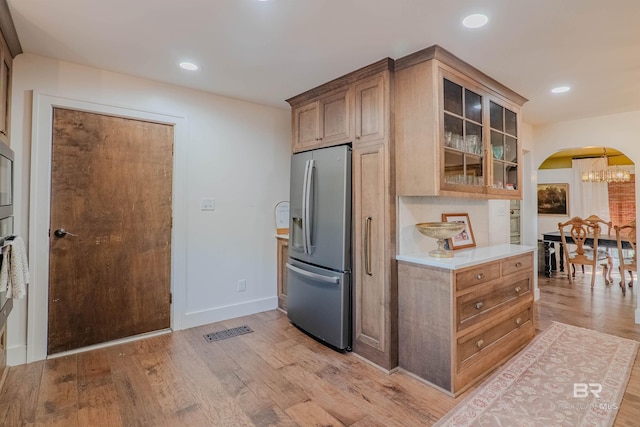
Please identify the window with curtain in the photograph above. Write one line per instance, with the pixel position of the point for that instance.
(589, 198)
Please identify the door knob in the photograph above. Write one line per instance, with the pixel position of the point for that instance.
(61, 232)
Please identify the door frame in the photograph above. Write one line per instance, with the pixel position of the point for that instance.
(39, 210)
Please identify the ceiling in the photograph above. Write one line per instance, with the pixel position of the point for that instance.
(268, 51)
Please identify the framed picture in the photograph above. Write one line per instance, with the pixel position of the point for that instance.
(553, 199)
(465, 239)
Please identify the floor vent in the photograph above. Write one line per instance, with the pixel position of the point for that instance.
(227, 333)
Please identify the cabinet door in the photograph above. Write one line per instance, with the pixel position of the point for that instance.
(336, 118)
(283, 255)
(505, 149)
(306, 126)
(372, 294)
(370, 110)
(462, 120)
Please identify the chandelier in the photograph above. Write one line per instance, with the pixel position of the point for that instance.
(614, 174)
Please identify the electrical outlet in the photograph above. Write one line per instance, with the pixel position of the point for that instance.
(242, 285)
(208, 205)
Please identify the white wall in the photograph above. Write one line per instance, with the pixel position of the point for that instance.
(236, 152)
(619, 131)
(412, 210)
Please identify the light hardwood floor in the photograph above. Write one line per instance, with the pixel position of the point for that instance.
(274, 376)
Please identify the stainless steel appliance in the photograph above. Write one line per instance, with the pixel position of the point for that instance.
(319, 265)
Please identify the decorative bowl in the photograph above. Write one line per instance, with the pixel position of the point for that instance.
(440, 231)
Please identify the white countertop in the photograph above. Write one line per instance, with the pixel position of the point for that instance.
(282, 236)
(467, 257)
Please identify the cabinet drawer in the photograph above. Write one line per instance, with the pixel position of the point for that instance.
(481, 303)
(473, 345)
(477, 275)
(517, 263)
(486, 361)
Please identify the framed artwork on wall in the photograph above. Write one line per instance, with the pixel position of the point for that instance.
(465, 239)
(553, 199)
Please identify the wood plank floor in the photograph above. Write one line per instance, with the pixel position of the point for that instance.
(274, 376)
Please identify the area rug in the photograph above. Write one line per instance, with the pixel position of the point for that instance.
(566, 376)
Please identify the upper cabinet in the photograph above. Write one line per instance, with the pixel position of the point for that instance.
(324, 121)
(351, 109)
(371, 109)
(6, 61)
(457, 130)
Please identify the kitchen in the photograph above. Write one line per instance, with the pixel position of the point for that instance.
(241, 227)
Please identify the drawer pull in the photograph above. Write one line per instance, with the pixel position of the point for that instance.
(480, 276)
(518, 264)
(518, 289)
(518, 321)
(478, 305)
(480, 343)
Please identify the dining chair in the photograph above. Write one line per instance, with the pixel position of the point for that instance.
(629, 263)
(580, 230)
(603, 253)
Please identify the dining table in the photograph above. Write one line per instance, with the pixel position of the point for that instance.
(550, 238)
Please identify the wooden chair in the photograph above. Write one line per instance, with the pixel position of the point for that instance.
(607, 268)
(629, 264)
(579, 230)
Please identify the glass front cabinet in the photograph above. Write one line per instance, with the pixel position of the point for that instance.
(468, 144)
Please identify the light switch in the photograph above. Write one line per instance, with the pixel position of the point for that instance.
(208, 205)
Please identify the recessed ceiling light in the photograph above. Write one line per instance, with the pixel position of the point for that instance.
(188, 66)
(561, 89)
(476, 20)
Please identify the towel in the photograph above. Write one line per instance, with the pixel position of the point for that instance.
(14, 273)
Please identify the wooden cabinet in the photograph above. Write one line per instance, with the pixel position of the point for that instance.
(375, 296)
(354, 108)
(457, 130)
(371, 109)
(283, 255)
(6, 62)
(324, 121)
(477, 318)
(367, 95)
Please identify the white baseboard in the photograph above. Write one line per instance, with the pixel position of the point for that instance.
(17, 355)
(218, 314)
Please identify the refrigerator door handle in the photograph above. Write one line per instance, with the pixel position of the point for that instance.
(305, 206)
(306, 213)
(315, 276)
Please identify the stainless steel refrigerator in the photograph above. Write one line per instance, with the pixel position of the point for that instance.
(319, 264)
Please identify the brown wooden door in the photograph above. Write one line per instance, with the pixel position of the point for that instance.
(111, 181)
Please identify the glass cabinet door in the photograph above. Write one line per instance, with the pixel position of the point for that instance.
(463, 153)
(504, 147)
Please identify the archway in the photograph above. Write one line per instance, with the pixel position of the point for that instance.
(565, 190)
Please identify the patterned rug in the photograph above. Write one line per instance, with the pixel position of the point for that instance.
(566, 376)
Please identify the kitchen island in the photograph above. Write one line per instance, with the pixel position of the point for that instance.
(461, 317)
